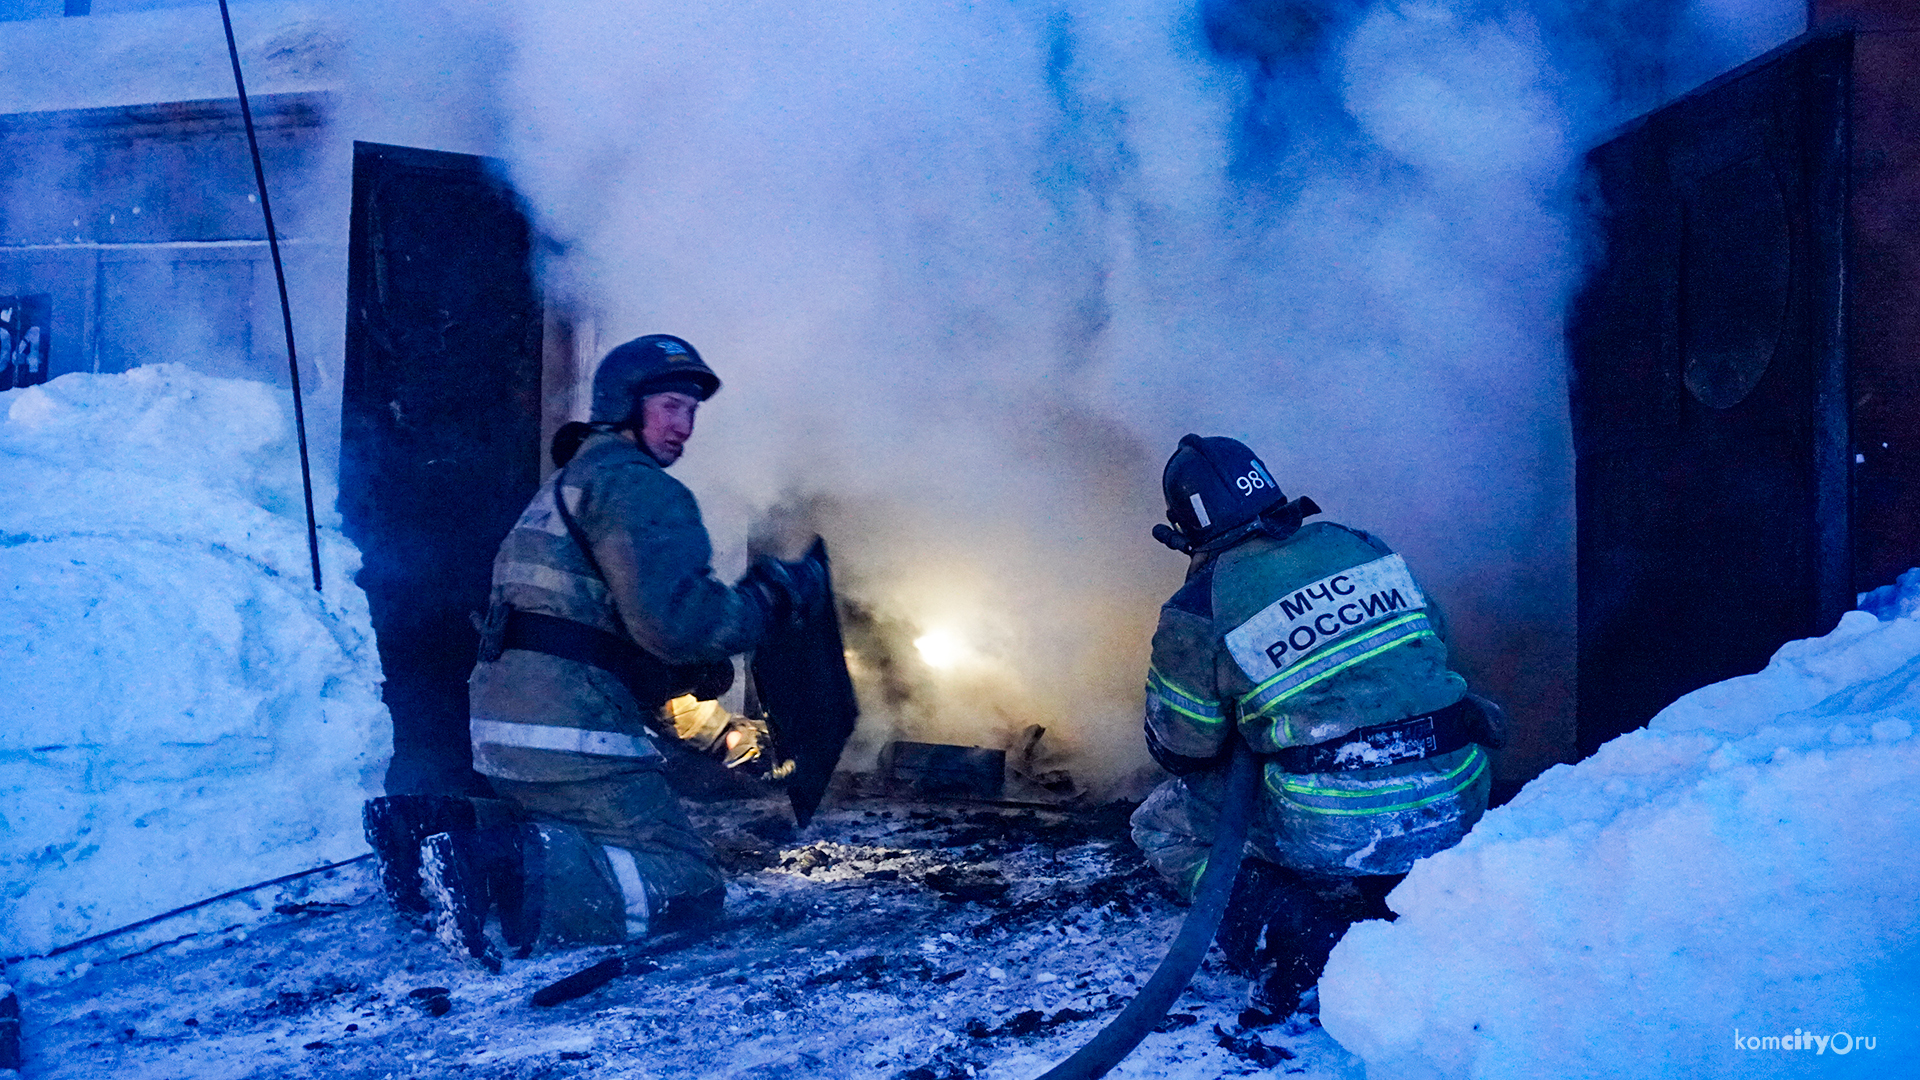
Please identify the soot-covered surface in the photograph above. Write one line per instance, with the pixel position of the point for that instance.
(887, 940)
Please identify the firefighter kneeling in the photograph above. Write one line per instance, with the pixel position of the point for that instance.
(1315, 642)
(606, 628)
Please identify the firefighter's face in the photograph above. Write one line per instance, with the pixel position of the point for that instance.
(666, 423)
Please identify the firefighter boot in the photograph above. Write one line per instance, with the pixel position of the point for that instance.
(1260, 889)
(1278, 929)
(466, 873)
(1301, 934)
(396, 826)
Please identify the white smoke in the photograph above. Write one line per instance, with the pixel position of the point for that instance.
(969, 271)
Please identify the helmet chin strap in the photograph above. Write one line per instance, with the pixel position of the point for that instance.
(1277, 522)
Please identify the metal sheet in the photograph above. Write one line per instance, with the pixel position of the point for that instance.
(1707, 388)
(440, 427)
(801, 680)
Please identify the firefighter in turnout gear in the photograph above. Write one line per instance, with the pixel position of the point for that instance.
(606, 627)
(1314, 644)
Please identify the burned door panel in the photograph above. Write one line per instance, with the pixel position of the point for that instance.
(1735, 269)
(1704, 355)
(440, 427)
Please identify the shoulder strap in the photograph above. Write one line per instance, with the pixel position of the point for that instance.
(1196, 596)
(651, 680)
(573, 526)
(580, 541)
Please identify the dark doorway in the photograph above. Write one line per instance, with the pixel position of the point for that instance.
(1708, 388)
(440, 428)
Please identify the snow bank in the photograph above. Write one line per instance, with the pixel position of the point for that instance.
(180, 713)
(1739, 877)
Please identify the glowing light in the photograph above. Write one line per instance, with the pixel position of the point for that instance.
(941, 648)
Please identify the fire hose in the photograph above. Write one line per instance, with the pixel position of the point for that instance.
(1124, 1032)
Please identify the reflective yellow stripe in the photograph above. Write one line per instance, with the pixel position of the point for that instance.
(551, 578)
(1303, 788)
(1306, 661)
(1192, 706)
(1193, 880)
(1193, 716)
(1298, 677)
(1475, 759)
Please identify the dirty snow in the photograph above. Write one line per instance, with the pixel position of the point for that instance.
(168, 660)
(888, 940)
(1730, 892)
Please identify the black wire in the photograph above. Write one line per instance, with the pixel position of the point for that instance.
(286, 308)
(184, 908)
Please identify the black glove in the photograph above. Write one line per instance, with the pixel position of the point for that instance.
(784, 589)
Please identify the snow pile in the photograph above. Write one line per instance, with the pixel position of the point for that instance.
(1730, 892)
(180, 713)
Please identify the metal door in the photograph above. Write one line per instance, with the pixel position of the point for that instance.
(440, 427)
(1708, 388)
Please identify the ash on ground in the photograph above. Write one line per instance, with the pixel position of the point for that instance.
(892, 940)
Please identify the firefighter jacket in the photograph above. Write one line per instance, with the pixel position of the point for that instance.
(1299, 641)
(538, 717)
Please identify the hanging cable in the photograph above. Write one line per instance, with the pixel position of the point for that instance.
(286, 308)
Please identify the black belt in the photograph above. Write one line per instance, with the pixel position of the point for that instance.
(1441, 731)
(651, 682)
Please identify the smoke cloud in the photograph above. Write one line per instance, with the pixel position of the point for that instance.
(970, 270)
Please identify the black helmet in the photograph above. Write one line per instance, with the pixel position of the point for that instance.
(1213, 486)
(654, 364)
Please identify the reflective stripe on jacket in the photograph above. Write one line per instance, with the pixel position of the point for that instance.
(569, 739)
(654, 584)
(1303, 640)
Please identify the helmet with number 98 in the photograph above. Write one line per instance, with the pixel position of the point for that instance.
(1214, 485)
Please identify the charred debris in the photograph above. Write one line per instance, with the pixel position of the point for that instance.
(901, 936)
